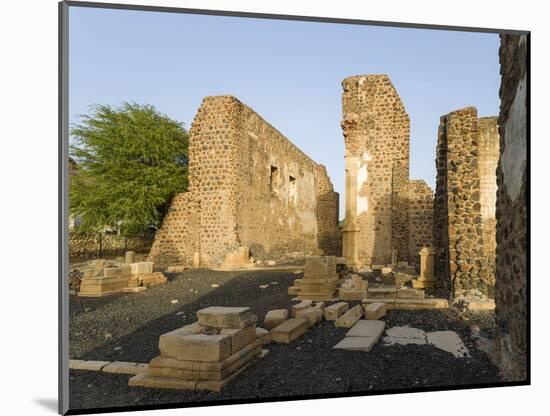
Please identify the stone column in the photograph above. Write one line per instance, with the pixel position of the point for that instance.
(426, 279)
(350, 230)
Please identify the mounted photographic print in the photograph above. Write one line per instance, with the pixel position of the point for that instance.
(268, 208)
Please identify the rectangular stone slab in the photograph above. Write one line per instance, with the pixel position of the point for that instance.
(275, 317)
(122, 367)
(304, 304)
(348, 319)
(196, 347)
(357, 343)
(366, 328)
(289, 330)
(346, 294)
(226, 317)
(333, 312)
(87, 365)
(376, 310)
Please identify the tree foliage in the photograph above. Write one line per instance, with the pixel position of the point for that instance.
(131, 161)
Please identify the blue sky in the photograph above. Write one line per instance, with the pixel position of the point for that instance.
(288, 72)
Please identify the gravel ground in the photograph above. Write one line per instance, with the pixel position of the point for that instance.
(127, 327)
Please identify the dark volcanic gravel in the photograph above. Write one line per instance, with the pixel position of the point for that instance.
(127, 328)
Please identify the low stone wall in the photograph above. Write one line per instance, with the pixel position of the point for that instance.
(84, 246)
(420, 219)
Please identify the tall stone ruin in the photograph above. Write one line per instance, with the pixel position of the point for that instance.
(249, 186)
(464, 205)
(511, 210)
(376, 133)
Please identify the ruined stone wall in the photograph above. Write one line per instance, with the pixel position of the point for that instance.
(279, 189)
(420, 219)
(329, 237)
(463, 260)
(248, 186)
(376, 132)
(511, 210)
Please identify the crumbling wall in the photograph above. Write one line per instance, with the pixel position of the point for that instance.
(376, 132)
(420, 219)
(464, 260)
(511, 210)
(248, 186)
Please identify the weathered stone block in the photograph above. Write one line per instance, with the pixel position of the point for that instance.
(275, 318)
(350, 317)
(357, 343)
(302, 305)
(263, 335)
(87, 365)
(289, 330)
(312, 314)
(334, 311)
(367, 328)
(375, 310)
(410, 294)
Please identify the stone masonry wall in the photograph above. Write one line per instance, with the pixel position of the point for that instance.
(376, 132)
(420, 219)
(463, 261)
(248, 186)
(511, 210)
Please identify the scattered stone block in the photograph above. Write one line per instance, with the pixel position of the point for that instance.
(91, 272)
(302, 305)
(275, 318)
(349, 318)
(334, 311)
(87, 365)
(289, 330)
(226, 317)
(357, 343)
(375, 310)
(366, 328)
(312, 314)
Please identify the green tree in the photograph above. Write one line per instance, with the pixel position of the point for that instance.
(131, 161)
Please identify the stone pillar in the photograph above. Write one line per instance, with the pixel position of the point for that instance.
(130, 257)
(350, 230)
(426, 279)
